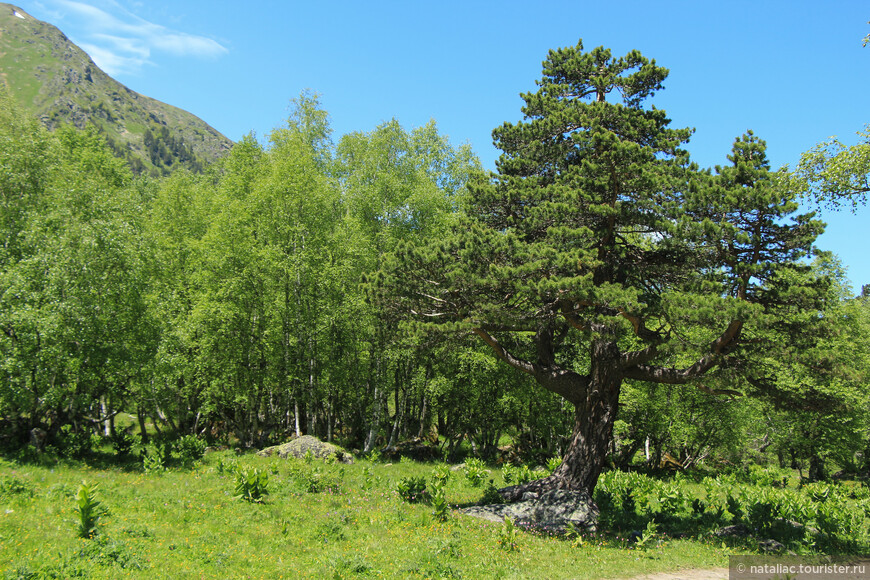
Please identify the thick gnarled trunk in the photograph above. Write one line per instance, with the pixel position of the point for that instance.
(595, 410)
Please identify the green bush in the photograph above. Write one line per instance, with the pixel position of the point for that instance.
(412, 489)
(251, 484)
(440, 475)
(74, 444)
(190, 448)
(157, 456)
(516, 474)
(491, 494)
(649, 537)
(123, 442)
(317, 480)
(369, 479)
(507, 536)
(763, 507)
(767, 476)
(228, 465)
(475, 471)
(671, 497)
(553, 463)
(153, 460)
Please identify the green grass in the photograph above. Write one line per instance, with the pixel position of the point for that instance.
(184, 523)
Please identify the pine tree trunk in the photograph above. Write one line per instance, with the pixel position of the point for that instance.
(594, 415)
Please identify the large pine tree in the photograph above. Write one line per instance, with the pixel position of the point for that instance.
(599, 254)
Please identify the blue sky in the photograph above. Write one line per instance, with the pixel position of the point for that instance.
(792, 71)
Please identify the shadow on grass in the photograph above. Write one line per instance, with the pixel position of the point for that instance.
(129, 462)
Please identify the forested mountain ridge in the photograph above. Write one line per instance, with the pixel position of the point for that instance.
(53, 78)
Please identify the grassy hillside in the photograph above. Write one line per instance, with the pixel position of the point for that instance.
(52, 77)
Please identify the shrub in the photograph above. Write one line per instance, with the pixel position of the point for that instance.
(767, 476)
(369, 479)
(575, 535)
(516, 475)
(621, 495)
(553, 463)
(190, 448)
(491, 494)
(251, 484)
(157, 456)
(74, 444)
(475, 471)
(734, 506)
(317, 480)
(507, 536)
(440, 475)
(412, 489)
(670, 497)
(230, 465)
(152, 460)
(123, 442)
(649, 536)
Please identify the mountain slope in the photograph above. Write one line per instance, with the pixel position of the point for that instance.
(56, 80)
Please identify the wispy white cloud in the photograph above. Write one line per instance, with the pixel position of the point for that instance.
(112, 62)
(121, 42)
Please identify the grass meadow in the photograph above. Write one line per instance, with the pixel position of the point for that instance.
(327, 520)
(318, 520)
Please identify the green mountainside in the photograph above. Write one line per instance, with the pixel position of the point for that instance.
(56, 80)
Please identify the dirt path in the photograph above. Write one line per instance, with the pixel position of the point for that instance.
(693, 574)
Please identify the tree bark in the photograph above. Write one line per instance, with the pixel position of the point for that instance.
(595, 397)
(375, 422)
(595, 405)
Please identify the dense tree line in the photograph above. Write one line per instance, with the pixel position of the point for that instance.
(166, 150)
(273, 293)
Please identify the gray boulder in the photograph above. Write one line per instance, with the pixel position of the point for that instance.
(735, 531)
(551, 511)
(301, 446)
(772, 547)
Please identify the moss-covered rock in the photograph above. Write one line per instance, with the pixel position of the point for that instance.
(301, 446)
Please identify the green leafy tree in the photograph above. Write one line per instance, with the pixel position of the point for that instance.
(96, 276)
(690, 425)
(75, 332)
(596, 253)
(835, 174)
(821, 416)
(178, 218)
(397, 185)
(26, 157)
